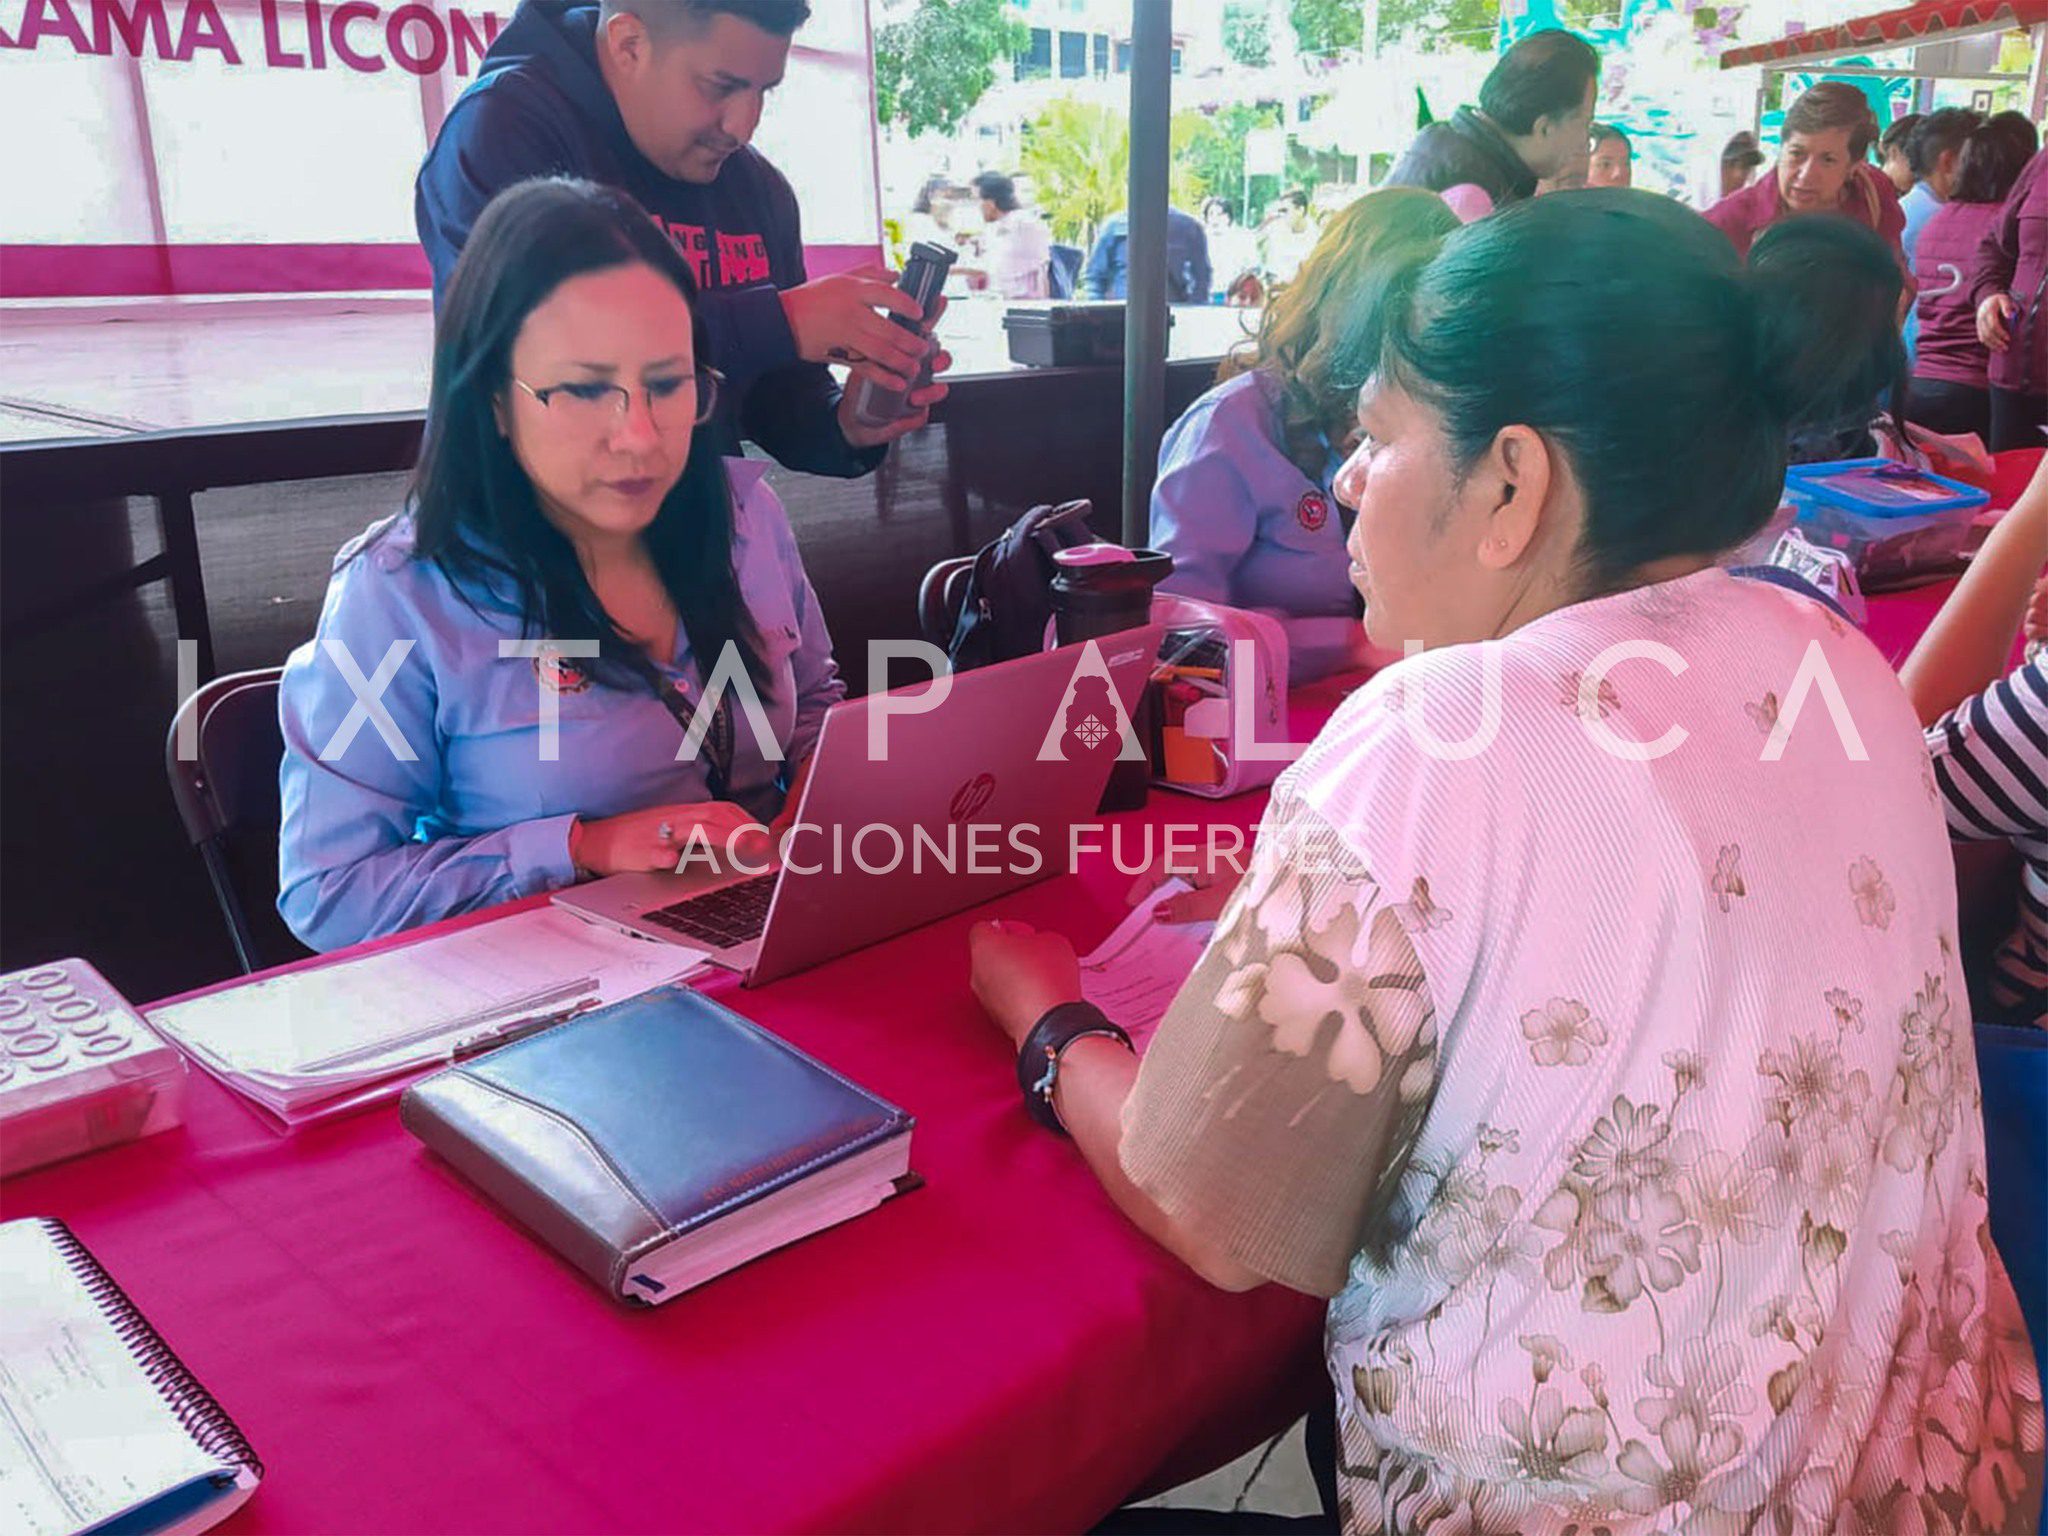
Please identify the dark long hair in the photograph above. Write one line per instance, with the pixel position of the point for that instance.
(1622, 327)
(1319, 338)
(1993, 157)
(477, 515)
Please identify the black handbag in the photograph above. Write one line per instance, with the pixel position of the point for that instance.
(1008, 599)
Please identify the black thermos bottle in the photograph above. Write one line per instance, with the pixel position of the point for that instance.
(924, 278)
(1100, 590)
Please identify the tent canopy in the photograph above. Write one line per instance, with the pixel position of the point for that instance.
(1935, 21)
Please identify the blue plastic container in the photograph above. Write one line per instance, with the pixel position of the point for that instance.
(1893, 521)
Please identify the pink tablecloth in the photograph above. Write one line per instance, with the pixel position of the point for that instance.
(1000, 1351)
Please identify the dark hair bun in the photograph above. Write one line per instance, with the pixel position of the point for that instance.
(1825, 296)
(1624, 328)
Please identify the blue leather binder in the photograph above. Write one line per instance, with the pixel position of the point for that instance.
(659, 1142)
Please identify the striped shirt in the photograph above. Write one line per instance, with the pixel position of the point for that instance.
(1991, 763)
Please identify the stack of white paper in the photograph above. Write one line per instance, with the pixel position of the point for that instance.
(1134, 975)
(319, 1041)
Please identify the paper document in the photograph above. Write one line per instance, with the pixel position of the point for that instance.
(1134, 975)
(85, 1435)
(317, 1035)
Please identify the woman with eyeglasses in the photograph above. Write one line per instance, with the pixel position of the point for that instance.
(502, 696)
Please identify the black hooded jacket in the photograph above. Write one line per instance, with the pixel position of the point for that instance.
(539, 107)
(1466, 149)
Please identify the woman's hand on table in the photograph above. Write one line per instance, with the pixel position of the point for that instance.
(1019, 974)
(654, 839)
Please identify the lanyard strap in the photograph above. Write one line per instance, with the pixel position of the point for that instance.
(717, 745)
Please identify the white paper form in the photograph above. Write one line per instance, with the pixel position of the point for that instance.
(415, 998)
(84, 1435)
(1134, 975)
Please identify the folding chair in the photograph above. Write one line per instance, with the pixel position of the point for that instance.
(222, 757)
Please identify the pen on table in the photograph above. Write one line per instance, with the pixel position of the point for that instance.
(382, 1049)
(490, 1040)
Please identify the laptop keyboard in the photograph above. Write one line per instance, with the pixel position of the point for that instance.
(728, 916)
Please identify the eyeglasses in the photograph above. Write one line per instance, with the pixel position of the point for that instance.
(686, 399)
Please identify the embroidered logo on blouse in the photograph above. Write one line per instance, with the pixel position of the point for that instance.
(558, 672)
(1313, 511)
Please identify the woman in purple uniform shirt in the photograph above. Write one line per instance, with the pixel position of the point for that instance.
(1243, 500)
(495, 701)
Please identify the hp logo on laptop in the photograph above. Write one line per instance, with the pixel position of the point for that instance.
(971, 797)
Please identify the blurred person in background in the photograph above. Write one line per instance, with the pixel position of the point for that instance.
(1737, 166)
(1821, 169)
(1613, 158)
(1233, 249)
(1285, 238)
(1892, 158)
(1187, 259)
(1243, 501)
(1016, 245)
(1932, 152)
(1951, 389)
(2006, 286)
(1534, 115)
(931, 214)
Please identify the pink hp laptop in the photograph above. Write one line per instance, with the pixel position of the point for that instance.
(972, 798)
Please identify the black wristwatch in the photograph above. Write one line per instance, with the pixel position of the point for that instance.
(1038, 1059)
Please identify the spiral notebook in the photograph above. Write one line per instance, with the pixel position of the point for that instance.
(102, 1428)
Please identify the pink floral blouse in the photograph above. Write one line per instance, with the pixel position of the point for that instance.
(1590, 1028)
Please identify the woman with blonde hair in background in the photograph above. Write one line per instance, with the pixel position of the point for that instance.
(1243, 500)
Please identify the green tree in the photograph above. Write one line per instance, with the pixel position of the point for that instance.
(931, 68)
(1078, 156)
(1329, 26)
(1442, 23)
(1333, 26)
(1209, 153)
(1245, 37)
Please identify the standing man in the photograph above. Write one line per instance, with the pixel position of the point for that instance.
(1187, 259)
(1534, 114)
(659, 99)
(1017, 245)
(1614, 157)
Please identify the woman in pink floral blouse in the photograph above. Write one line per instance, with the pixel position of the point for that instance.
(1589, 1026)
